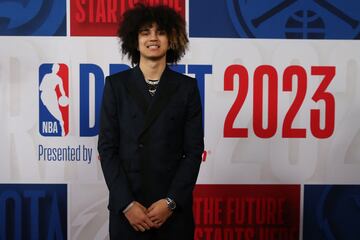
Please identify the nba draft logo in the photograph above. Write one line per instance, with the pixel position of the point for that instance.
(286, 19)
(53, 99)
(33, 18)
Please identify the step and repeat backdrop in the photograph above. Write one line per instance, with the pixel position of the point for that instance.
(280, 87)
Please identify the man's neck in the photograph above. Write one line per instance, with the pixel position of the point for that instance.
(152, 69)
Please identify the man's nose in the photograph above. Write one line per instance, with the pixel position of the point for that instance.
(153, 35)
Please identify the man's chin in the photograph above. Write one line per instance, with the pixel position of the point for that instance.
(156, 58)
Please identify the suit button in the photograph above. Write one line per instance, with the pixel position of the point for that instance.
(141, 145)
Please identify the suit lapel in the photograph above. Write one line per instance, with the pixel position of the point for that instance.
(137, 88)
(167, 87)
(151, 106)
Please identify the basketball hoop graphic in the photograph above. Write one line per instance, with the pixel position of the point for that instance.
(296, 19)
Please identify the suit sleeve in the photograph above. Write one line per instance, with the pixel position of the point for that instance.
(185, 178)
(116, 180)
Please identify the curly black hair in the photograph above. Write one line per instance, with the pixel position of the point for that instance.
(167, 20)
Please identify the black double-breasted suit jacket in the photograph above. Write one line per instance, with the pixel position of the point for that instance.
(151, 146)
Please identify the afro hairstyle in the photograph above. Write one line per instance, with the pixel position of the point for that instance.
(167, 20)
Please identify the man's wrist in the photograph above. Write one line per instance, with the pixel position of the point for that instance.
(171, 204)
(128, 207)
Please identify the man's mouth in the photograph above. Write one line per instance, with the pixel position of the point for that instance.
(153, 46)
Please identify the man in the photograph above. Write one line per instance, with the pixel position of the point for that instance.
(151, 136)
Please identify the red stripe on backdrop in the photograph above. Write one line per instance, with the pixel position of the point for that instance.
(261, 212)
(101, 17)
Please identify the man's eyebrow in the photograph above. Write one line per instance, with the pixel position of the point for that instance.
(145, 27)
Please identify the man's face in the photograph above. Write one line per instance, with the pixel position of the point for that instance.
(153, 42)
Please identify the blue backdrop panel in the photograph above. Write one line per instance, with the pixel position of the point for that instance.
(33, 18)
(286, 19)
(33, 211)
(331, 212)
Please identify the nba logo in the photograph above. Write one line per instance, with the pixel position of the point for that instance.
(54, 99)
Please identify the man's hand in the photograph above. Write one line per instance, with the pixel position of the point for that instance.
(159, 212)
(137, 217)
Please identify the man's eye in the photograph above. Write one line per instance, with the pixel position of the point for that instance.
(144, 32)
(161, 32)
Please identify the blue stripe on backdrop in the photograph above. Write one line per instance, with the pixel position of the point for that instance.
(285, 19)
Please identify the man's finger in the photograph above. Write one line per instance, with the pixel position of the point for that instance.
(154, 218)
(141, 228)
(149, 222)
(151, 214)
(145, 226)
(151, 208)
(135, 227)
